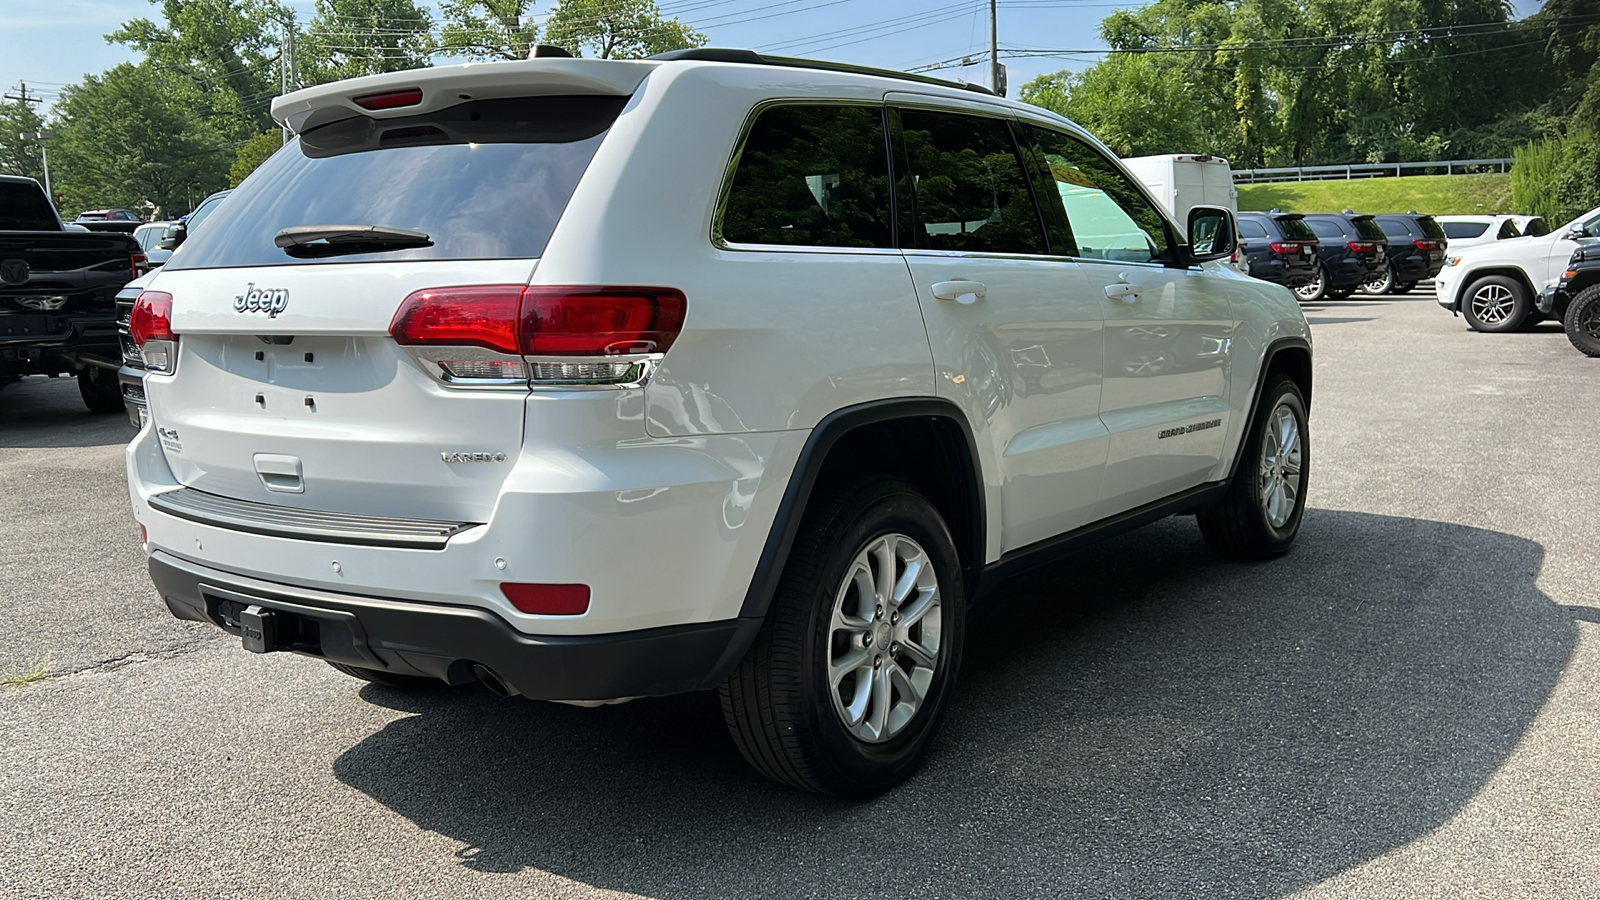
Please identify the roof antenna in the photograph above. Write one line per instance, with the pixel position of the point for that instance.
(548, 51)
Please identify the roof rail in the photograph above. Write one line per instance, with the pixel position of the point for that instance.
(750, 57)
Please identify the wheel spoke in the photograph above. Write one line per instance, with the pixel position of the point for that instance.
(908, 581)
(918, 654)
(881, 694)
(910, 694)
(857, 659)
(912, 613)
(856, 713)
(883, 570)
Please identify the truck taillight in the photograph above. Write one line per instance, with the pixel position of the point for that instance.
(150, 326)
(498, 336)
(138, 264)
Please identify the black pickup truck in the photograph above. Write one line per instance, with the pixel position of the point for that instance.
(58, 293)
(1575, 300)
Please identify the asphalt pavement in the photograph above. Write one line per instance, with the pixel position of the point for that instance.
(1404, 706)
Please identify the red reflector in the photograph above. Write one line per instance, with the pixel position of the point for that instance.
(1426, 245)
(548, 599)
(1285, 247)
(600, 321)
(389, 99)
(151, 319)
(478, 316)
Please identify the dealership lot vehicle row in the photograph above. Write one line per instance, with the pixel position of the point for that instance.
(1401, 706)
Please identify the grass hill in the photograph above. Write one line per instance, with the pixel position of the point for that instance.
(1437, 195)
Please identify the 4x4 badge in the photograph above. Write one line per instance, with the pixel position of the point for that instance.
(265, 300)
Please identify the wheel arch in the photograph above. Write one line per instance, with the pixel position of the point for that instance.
(1289, 356)
(871, 439)
(1513, 272)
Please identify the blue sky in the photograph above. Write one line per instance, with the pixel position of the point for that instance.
(49, 43)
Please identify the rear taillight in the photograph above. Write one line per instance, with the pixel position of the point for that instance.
(1286, 247)
(138, 264)
(1363, 246)
(1426, 245)
(512, 336)
(150, 326)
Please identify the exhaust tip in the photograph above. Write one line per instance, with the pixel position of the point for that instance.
(493, 682)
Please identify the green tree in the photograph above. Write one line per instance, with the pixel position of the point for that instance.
(133, 135)
(1133, 103)
(18, 155)
(252, 154)
(488, 29)
(227, 51)
(348, 38)
(617, 29)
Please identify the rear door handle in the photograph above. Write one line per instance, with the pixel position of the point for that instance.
(965, 293)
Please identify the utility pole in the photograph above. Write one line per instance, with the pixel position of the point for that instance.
(286, 62)
(20, 94)
(996, 78)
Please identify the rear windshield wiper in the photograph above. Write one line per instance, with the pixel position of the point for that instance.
(313, 241)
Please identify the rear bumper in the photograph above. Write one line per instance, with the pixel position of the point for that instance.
(444, 642)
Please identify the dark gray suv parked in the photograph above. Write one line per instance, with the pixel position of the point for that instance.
(1277, 247)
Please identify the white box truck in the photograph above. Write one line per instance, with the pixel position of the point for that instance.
(1181, 181)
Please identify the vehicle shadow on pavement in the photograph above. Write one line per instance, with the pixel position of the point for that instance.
(41, 412)
(1144, 719)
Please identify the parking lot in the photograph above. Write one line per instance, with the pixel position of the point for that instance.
(1404, 706)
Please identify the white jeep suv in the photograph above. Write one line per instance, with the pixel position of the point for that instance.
(1506, 284)
(593, 379)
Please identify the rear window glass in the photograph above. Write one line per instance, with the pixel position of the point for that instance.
(1250, 228)
(1296, 229)
(1368, 229)
(812, 176)
(1430, 227)
(484, 180)
(24, 208)
(1465, 229)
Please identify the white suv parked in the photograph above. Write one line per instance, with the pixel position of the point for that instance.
(596, 379)
(1506, 284)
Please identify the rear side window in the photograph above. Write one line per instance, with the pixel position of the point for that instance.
(1394, 228)
(23, 207)
(1296, 229)
(1250, 228)
(1536, 227)
(813, 176)
(486, 179)
(1508, 229)
(1326, 229)
(971, 189)
(1465, 229)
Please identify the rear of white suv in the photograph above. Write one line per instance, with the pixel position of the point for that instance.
(597, 379)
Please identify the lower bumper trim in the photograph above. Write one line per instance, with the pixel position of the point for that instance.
(444, 642)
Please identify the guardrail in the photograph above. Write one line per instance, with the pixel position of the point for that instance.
(1370, 170)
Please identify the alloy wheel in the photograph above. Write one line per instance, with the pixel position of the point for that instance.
(1493, 304)
(883, 638)
(1311, 290)
(1281, 463)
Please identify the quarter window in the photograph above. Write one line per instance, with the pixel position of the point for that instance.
(1326, 229)
(971, 190)
(1108, 216)
(1251, 229)
(812, 176)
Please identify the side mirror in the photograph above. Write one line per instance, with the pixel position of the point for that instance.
(1212, 234)
(1576, 233)
(173, 236)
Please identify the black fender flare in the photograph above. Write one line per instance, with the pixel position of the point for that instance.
(797, 494)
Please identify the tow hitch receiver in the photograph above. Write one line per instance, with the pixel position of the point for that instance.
(259, 628)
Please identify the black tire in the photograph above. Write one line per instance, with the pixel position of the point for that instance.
(1495, 304)
(1379, 283)
(1402, 287)
(1583, 321)
(1238, 526)
(1314, 290)
(100, 390)
(779, 703)
(389, 679)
